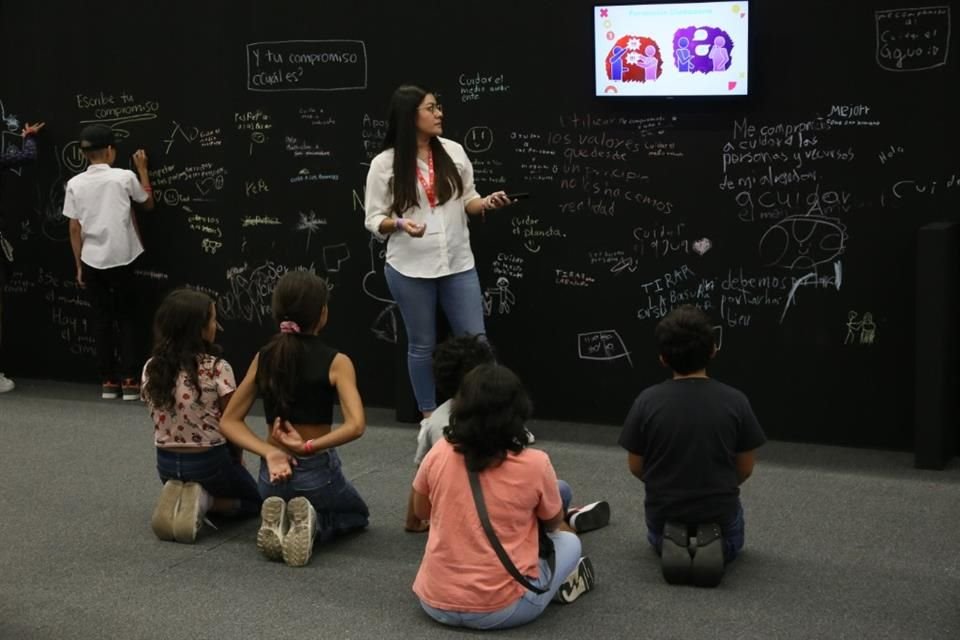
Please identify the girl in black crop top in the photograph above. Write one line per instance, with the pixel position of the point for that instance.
(298, 377)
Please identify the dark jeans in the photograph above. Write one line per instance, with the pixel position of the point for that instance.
(217, 471)
(114, 294)
(318, 478)
(733, 535)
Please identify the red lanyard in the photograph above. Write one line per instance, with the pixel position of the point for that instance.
(428, 187)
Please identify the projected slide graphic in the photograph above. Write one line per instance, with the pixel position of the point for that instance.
(698, 49)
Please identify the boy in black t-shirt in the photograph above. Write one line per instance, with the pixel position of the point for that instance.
(691, 439)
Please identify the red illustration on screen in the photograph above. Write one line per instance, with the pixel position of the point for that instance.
(634, 59)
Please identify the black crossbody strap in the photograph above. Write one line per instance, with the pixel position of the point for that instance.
(492, 537)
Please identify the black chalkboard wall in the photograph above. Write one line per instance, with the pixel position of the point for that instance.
(258, 143)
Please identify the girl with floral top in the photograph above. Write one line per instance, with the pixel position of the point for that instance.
(187, 386)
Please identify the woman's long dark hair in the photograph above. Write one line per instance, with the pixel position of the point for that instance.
(177, 342)
(402, 138)
(489, 413)
(300, 297)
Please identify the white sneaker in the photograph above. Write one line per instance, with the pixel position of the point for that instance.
(580, 580)
(298, 543)
(189, 517)
(273, 528)
(6, 384)
(165, 513)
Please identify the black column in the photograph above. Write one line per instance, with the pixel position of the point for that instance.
(937, 388)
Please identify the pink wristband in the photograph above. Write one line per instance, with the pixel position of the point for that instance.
(308, 446)
(401, 224)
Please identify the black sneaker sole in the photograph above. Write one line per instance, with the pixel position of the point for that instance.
(675, 561)
(595, 518)
(707, 566)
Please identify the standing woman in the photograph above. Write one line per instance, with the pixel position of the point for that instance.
(419, 192)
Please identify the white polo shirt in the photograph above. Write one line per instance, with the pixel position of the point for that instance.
(99, 199)
(444, 248)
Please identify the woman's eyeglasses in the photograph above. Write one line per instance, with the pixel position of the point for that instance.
(433, 108)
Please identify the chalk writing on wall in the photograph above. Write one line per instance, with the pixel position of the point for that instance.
(473, 86)
(307, 65)
(913, 39)
(602, 345)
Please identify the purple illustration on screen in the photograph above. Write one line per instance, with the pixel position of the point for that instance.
(649, 62)
(718, 53)
(710, 49)
(682, 54)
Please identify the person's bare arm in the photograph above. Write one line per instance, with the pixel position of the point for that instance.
(76, 243)
(421, 505)
(235, 429)
(555, 522)
(635, 463)
(744, 463)
(140, 162)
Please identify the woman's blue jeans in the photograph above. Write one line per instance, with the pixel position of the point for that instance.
(460, 298)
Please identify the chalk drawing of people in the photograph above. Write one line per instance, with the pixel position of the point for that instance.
(649, 62)
(869, 329)
(852, 327)
(500, 294)
(616, 63)
(683, 55)
(718, 53)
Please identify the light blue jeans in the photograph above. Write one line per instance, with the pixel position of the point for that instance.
(462, 302)
(530, 605)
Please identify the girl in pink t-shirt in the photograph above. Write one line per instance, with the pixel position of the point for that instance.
(186, 386)
(461, 581)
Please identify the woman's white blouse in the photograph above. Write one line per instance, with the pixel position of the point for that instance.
(444, 248)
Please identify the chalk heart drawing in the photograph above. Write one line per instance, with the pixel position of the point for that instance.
(702, 245)
(731, 85)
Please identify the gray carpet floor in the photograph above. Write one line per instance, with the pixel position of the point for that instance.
(841, 543)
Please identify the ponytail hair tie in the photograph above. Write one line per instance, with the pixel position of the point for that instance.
(289, 326)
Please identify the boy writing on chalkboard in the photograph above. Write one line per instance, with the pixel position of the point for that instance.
(106, 244)
(691, 439)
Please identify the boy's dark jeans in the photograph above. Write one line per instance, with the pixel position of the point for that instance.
(733, 535)
(113, 293)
